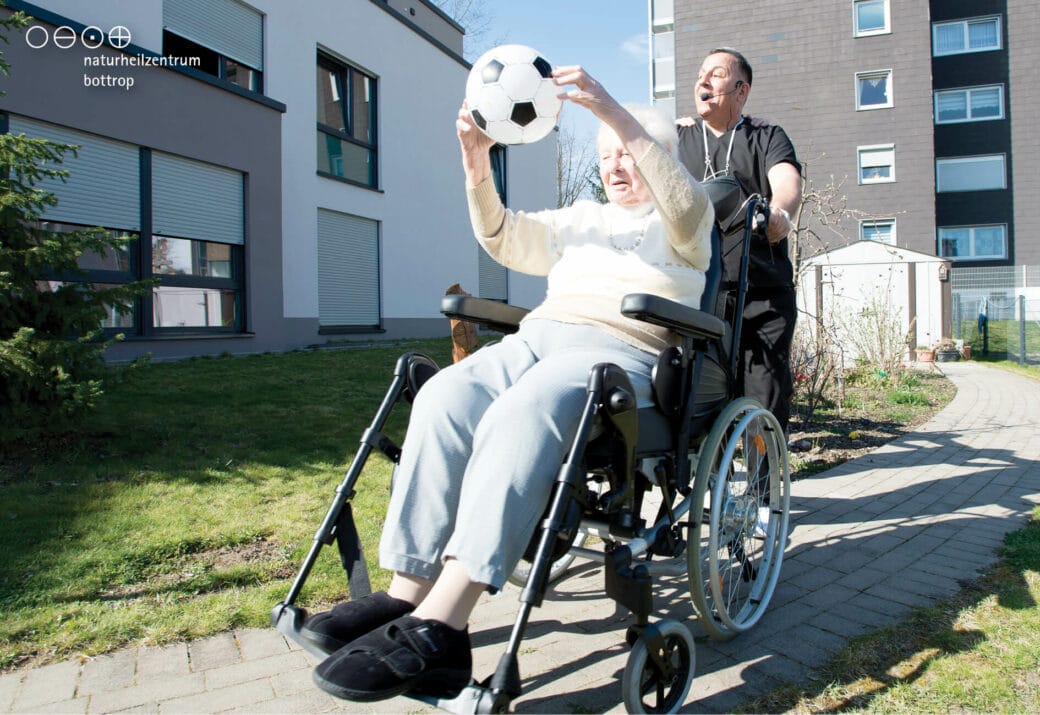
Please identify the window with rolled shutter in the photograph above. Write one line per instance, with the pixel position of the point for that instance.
(192, 199)
(227, 27)
(348, 270)
(103, 185)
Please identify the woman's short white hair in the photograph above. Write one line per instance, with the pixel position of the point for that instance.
(655, 121)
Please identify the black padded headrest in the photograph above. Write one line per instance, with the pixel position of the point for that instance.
(724, 193)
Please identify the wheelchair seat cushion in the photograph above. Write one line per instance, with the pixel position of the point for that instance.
(408, 654)
(331, 630)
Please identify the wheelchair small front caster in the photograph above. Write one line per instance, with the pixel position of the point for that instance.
(660, 669)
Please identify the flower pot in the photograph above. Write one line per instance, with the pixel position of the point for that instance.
(925, 355)
(966, 352)
(947, 355)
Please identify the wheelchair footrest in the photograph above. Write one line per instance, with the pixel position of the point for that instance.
(288, 620)
(474, 698)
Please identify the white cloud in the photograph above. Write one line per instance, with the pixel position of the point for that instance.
(637, 47)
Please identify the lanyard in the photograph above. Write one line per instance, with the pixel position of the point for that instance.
(708, 168)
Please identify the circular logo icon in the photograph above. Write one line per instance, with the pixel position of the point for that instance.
(119, 37)
(93, 37)
(64, 37)
(36, 37)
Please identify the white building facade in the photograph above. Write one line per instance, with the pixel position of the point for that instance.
(297, 182)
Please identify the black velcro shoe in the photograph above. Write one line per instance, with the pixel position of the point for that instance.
(407, 655)
(347, 621)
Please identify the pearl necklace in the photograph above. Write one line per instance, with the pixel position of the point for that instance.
(630, 244)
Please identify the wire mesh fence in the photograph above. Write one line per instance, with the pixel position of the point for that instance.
(996, 310)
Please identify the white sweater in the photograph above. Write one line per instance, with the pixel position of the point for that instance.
(595, 254)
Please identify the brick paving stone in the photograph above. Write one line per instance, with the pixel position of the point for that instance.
(107, 672)
(290, 682)
(253, 670)
(49, 684)
(65, 707)
(824, 598)
(894, 591)
(213, 652)
(862, 579)
(255, 643)
(155, 690)
(882, 606)
(162, 662)
(216, 700)
(839, 624)
(311, 701)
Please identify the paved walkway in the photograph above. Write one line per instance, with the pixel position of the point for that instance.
(872, 538)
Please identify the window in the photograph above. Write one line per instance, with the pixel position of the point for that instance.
(970, 173)
(346, 123)
(882, 230)
(973, 242)
(975, 35)
(877, 164)
(195, 249)
(348, 272)
(874, 89)
(974, 104)
(664, 62)
(114, 267)
(226, 36)
(662, 13)
(870, 17)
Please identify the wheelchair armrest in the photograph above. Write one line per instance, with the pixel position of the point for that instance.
(487, 313)
(677, 317)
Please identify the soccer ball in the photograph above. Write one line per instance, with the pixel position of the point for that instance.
(511, 95)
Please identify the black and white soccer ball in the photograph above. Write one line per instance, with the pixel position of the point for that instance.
(511, 95)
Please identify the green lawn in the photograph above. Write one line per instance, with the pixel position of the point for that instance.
(188, 507)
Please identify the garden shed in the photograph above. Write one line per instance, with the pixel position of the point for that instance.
(870, 293)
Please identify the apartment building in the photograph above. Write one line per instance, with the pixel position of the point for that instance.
(287, 172)
(916, 111)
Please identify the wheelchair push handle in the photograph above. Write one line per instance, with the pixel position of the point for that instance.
(758, 216)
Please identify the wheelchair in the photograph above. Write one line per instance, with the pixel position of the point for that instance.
(718, 460)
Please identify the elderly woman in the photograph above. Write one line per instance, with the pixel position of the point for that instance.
(487, 435)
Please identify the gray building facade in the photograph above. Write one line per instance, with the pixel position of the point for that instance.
(915, 113)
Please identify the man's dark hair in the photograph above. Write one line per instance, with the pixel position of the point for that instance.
(742, 63)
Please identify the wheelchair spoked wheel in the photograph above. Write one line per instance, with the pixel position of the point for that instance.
(742, 468)
(647, 688)
(556, 570)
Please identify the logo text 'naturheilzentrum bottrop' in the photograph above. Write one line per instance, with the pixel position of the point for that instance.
(91, 38)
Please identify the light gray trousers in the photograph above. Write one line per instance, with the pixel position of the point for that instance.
(485, 442)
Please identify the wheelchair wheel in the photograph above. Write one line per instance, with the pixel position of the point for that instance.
(742, 473)
(646, 688)
(556, 570)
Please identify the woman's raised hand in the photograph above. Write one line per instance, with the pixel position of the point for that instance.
(587, 91)
(476, 146)
(470, 137)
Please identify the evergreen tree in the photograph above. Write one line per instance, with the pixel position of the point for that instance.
(52, 367)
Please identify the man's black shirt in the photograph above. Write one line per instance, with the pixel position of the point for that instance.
(755, 151)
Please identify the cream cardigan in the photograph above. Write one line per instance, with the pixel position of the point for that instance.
(595, 254)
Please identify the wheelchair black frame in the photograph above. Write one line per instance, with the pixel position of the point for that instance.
(610, 397)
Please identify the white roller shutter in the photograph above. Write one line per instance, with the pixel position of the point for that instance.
(492, 276)
(103, 187)
(224, 26)
(191, 199)
(348, 270)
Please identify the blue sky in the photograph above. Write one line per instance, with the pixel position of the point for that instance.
(607, 37)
